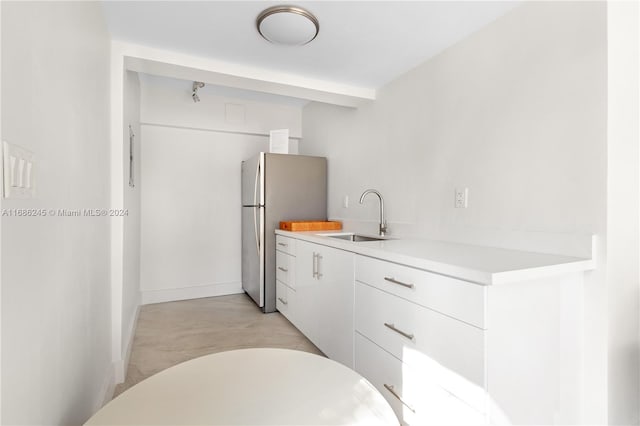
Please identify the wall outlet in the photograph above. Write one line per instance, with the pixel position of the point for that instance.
(462, 198)
(345, 202)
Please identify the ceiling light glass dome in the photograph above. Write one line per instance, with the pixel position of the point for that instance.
(288, 25)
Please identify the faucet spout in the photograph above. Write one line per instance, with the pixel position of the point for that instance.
(383, 223)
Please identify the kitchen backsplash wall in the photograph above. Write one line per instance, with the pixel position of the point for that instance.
(516, 113)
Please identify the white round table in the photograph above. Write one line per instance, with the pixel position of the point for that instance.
(251, 387)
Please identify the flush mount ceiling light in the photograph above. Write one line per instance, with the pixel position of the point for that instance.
(289, 25)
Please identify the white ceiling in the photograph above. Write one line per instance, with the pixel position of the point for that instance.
(361, 43)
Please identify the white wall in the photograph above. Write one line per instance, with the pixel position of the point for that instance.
(191, 242)
(1, 206)
(623, 194)
(167, 102)
(131, 257)
(517, 113)
(56, 364)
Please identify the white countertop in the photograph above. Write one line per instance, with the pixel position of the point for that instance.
(481, 265)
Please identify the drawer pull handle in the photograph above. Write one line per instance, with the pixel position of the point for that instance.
(393, 392)
(315, 264)
(400, 332)
(284, 302)
(282, 269)
(393, 280)
(318, 273)
(317, 257)
(283, 244)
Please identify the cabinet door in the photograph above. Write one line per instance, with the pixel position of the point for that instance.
(307, 291)
(286, 269)
(411, 390)
(335, 279)
(285, 301)
(324, 287)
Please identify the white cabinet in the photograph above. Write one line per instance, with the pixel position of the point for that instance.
(286, 269)
(324, 290)
(286, 301)
(285, 278)
(412, 392)
(497, 354)
(427, 363)
(441, 350)
(286, 244)
(420, 336)
(459, 299)
(314, 290)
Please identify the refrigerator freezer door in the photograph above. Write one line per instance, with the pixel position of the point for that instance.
(252, 181)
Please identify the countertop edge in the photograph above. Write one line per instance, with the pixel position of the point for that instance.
(455, 271)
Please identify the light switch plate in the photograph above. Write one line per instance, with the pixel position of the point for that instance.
(18, 169)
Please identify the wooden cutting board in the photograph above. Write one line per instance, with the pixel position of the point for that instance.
(310, 225)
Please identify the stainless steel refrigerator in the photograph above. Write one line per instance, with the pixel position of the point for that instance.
(276, 187)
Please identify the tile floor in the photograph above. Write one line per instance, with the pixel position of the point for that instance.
(170, 333)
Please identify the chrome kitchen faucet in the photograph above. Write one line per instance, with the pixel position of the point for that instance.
(383, 223)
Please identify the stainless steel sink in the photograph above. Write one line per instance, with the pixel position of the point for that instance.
(356, 237)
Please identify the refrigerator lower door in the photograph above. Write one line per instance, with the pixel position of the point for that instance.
(253, 253)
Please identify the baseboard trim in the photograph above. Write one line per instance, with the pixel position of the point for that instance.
(196, 292)
(107, 389)
(124, 364)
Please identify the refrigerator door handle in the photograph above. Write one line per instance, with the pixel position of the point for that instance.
(255, 227)
(255, 209)
(255, 186)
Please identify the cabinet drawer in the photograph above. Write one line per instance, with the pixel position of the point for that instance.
(286, 244)
(459, 299)
(451, 349)
(285, 268)
(414, 396)
(284, 298)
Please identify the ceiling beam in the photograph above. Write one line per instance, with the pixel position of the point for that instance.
(186, 67)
